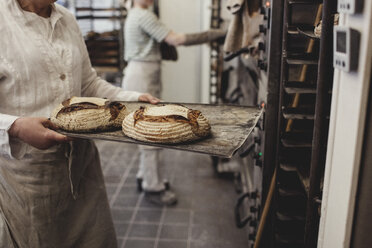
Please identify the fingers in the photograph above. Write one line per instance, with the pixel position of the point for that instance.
(154, 100)
(148, 98)
(57, 137)
(48, 124)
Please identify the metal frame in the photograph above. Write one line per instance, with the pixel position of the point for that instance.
(321, 124)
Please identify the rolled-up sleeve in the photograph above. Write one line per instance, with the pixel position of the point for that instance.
(6, 122)
(153, 27)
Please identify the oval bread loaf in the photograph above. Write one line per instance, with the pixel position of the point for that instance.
(168, 124)
(88, 114)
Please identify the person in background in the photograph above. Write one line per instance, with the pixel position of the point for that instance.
(143, 35)
(52, 192)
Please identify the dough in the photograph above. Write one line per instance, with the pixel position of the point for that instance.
(87, 114)
(168, 124)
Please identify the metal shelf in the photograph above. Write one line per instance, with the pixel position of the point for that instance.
(290, 2)
(299, 113)
(299, 87)
(301, 59)
(297, 139)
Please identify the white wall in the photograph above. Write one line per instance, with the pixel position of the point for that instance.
(187, 79)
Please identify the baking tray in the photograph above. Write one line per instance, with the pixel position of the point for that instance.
(230, 128)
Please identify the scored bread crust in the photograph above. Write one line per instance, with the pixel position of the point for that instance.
(88, 114)
(167, 124)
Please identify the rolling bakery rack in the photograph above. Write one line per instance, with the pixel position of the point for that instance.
(297, 117)
(106, 49)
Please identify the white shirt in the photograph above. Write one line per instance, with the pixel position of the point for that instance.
(43, 61)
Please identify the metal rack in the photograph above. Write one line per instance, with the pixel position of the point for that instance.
(215, 55)
(297, 119)
(106, 50)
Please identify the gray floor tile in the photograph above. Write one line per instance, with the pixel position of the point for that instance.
(133, 171)
(112, 178)
(144, 230)
(121, 215)
(214, 217)
(174, 232)
(126, 201)
(110, 190)
(139, 243)
(212, 244)
(177, 216)
(131, 180)
(120, 242)
(216, 233)
(183, 202)
(172, 244)
(121, 229)
(148, 216)
(129, 191)
(146, 204)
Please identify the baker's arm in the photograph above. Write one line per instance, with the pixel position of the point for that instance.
(204, 37)
(93, 85)
(175, 39)
(34, 131)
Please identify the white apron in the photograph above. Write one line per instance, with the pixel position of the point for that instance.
(143, 76)
(56, 197)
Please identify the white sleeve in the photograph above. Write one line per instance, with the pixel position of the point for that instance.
(92, 85)
(6, 122)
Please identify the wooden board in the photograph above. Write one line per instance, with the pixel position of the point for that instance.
(230, 126)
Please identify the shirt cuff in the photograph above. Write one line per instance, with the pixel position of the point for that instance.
(6, 121)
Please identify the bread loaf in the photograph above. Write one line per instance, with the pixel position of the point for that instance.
(166, 124)
(87, 114)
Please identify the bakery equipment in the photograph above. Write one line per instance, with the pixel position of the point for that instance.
(346, 48)
(350, 6)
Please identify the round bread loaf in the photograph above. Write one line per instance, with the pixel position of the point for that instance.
(88, 114)
(168, 124)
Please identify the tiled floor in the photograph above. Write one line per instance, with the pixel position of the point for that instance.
(203, 217)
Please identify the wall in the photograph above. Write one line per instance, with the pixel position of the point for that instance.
(187, 79)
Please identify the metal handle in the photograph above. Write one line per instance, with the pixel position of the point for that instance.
(240, 223)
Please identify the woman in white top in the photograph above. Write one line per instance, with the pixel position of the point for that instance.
(51, 188)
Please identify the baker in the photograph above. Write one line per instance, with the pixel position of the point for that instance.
(51, 188)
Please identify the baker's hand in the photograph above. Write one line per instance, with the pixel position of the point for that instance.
(148, 98)
(37, 132)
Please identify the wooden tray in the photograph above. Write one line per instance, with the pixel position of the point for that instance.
(231, 126)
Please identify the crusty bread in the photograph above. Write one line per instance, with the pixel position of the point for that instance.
(166, 124)
(87, 114)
